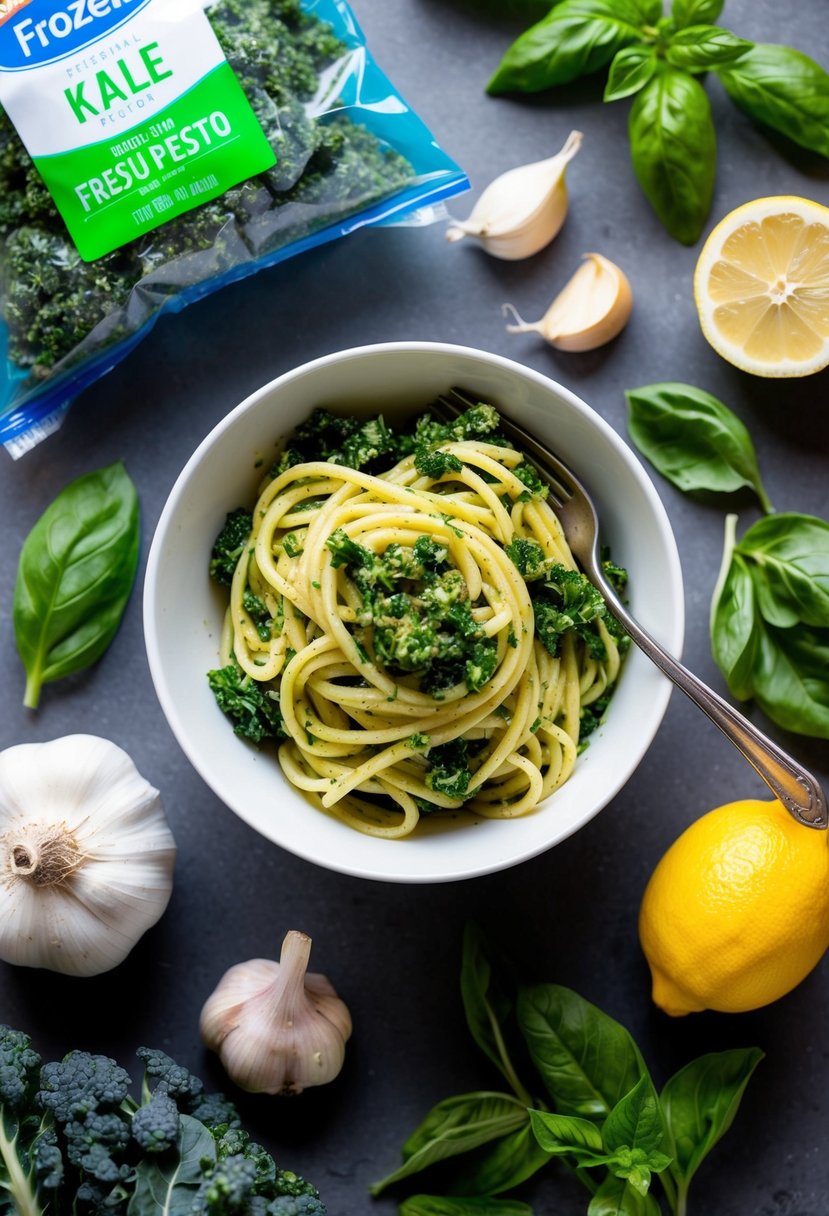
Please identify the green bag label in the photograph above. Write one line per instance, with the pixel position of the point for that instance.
(129, 110)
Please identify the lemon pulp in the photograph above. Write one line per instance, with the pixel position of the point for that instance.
(762, 287)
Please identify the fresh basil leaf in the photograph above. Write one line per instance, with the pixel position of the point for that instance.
(736, 628)
(576, 38)
(693, 439)
(616, 1197)
(790, 555)
(586, 1059)
(673, 149)
(650, 11)
(455, 1126)
(636, 1122)
(440, 1205)
(74, 578)
(700, 47)
(569, 1135)
(630, 71)
(696, 12)
(791, 679)
(166, 1185)
(505, 1164)
(486, 1005)
(699, 1103)
(783, 667)
(784, 89)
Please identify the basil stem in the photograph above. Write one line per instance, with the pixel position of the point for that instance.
(784, 89)
(74, 578)
(694, 440)
(673, 149)
(487, 1007)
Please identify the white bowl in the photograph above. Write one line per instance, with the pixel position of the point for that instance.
(183, 611)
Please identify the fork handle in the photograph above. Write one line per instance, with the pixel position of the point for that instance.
(795, 787)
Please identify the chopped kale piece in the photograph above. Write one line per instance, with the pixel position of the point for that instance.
(229, 545)
(252, 707)
(257, 610)
(449, 771)
(341, 439)
(436, 464)
(528, 474)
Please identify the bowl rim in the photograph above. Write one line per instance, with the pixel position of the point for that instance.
(672, 570)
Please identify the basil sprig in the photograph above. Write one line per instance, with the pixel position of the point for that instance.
(74, 578)
(693, 439)
(770, 619)
(601, 1116)
(655, 58)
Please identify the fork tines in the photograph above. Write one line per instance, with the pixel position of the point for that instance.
(448, 406)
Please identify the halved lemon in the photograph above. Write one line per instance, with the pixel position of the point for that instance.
(761, 287)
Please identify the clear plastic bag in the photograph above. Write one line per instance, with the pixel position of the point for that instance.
(350, 152)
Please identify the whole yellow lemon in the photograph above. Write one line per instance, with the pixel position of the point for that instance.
(736, 912)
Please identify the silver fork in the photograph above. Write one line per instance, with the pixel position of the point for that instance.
(788, 780)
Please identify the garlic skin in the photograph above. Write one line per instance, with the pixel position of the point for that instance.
(277, 1029)
(522, 210)
(590, 310)
(86, 855)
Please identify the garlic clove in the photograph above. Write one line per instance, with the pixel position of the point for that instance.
(522, 210)
(590, 310)
(277, 1029)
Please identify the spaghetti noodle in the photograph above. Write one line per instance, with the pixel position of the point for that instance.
(415, 628)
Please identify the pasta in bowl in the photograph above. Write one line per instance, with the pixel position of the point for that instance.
(409, 628)
(408, 620)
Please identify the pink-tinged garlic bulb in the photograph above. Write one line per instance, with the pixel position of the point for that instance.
(276, 1028)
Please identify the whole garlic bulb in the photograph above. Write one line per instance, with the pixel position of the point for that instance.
(277, 1029)
(86, 855)
(522, 210)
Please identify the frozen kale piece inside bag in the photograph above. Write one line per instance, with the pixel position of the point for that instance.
(310, 81)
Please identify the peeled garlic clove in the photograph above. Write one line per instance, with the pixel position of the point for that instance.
(589, 311)
(277, 1029)
(522, 210)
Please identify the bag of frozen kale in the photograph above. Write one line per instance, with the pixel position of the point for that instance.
(153, 150)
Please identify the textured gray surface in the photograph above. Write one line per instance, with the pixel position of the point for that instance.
(568, 916)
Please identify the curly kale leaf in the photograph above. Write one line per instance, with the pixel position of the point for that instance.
(81, 1084)
(252, 707)
(19, 1064)
(178, 1081)
(155, 1124)
(301, 1205)
(30, 1162)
